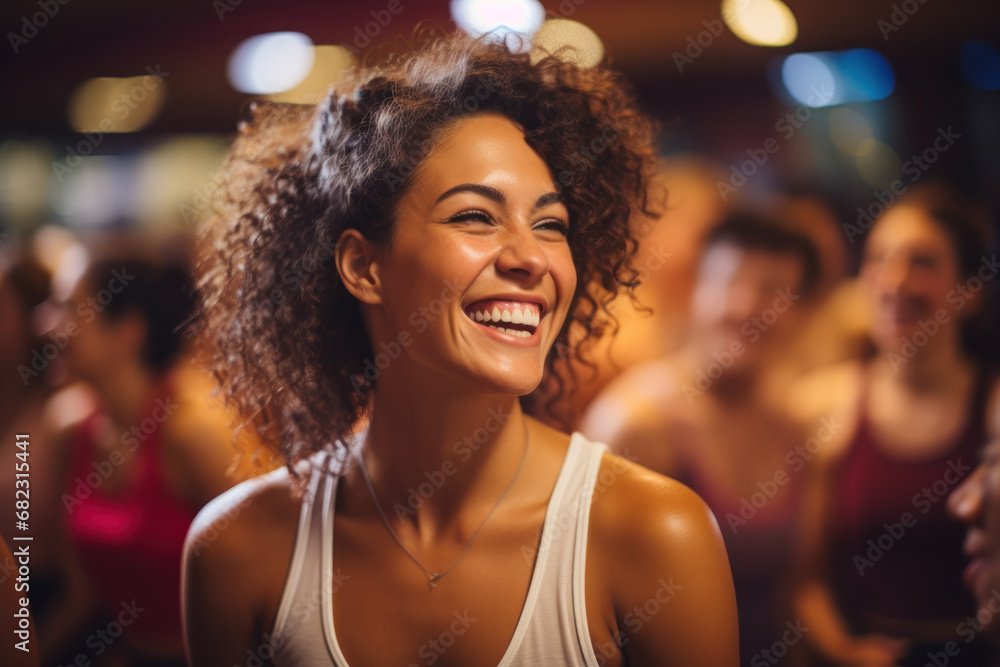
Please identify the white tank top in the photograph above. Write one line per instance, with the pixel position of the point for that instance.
(552, 628)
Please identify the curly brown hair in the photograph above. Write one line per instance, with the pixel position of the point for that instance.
(289, 340)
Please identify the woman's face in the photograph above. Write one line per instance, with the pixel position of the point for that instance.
(976, 502)
(479, 277)
(909, 269)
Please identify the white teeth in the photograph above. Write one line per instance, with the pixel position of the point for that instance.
(527, 316)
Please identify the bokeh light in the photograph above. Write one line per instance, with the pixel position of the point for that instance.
(498, 17)
(851, 131)
(108, 104)
(880, 166)
(330, 66)
(761, 22)
(828, 78)
(809, 79)
(569, 40)
(270, 63)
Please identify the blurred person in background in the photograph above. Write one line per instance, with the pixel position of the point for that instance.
(976, 502)
(656, 322)
(25, 390)
(700, 416)
(881, 562)
(834, 329)
(142, 463)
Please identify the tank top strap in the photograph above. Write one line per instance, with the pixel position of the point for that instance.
(553, 627)
(305, 554)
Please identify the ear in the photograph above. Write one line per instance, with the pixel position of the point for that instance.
(355, 259)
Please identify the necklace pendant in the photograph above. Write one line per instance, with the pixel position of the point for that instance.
(434, 579)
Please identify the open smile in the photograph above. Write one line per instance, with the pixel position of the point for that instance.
(517, 318)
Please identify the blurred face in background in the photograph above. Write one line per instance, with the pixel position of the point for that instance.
(976, 502)
(909, 269)
(744, 299)
(95, 345)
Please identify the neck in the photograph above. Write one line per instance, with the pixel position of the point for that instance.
(434, 448)
(939, 366)
(124, 393)
(732, 386)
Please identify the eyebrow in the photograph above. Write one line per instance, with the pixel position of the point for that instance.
(496, 195)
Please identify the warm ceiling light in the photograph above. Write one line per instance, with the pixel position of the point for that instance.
(761, 22)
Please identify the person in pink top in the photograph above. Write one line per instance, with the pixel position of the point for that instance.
(144, 461)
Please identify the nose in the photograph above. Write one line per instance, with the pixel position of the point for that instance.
(891, 274)
(522, 254)
(966, 502)
(741, 302)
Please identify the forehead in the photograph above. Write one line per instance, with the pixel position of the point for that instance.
(726, 260)
(909, 226)
(488, 149)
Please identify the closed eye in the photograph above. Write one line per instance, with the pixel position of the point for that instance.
(473, 215)
(554, 224)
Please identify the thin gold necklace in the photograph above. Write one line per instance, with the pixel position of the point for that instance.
(432, 576)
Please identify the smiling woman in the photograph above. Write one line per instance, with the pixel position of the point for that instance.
(458, 237)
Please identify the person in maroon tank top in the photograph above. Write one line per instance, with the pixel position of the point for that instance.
(881, 561)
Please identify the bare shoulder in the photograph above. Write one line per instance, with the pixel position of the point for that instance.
(236, 559)
(664, 563)
(645, 513)
(246, 512)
